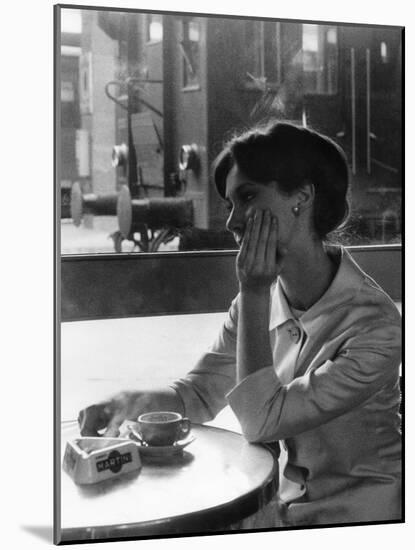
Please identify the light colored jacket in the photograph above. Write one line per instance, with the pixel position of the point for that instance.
(339, 416)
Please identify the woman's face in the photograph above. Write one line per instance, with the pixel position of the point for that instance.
(244, 196)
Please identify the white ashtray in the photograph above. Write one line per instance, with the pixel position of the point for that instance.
(93, 459)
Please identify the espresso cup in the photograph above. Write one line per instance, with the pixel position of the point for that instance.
(162, 428)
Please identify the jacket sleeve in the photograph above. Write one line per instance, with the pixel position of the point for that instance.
(365, 362)
(203, 390)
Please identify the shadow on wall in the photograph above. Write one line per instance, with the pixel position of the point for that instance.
(44, 532)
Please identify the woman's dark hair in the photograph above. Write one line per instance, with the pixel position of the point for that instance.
(291, 155)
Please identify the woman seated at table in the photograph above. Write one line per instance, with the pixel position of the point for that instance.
(309, 354)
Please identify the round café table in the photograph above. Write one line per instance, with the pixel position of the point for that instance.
(219, 479)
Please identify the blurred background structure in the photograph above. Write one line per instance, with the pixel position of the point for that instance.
(147, 100)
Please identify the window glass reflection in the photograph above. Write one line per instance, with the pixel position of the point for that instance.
(320, 63)
(191, 53)
(155, 28)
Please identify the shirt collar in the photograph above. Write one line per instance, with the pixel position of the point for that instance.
(280, 310)
(346, 283)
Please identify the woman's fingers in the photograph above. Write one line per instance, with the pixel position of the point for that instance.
(252, 238)
(113, 428)
(245, 241)
(272, 243)
(94, 418)
(257, 240)
(263, 237)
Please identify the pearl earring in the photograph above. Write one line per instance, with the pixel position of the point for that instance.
(296, 211)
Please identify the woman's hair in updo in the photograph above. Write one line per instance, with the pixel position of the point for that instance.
(291, 156)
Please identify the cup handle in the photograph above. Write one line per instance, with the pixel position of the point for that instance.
(185, 426)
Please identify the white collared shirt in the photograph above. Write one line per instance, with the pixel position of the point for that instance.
(286, 335)
(287, 338)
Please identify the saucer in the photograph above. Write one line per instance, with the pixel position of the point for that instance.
(160, 450)
(163, 450)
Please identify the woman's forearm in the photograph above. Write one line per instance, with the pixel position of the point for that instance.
(253, 350)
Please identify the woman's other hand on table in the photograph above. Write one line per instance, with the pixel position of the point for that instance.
(109, 415)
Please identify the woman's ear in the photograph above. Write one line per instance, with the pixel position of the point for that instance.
(305, 195)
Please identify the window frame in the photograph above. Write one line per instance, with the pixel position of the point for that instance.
(103, 286)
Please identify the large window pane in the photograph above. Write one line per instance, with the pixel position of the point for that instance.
(147, 99)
